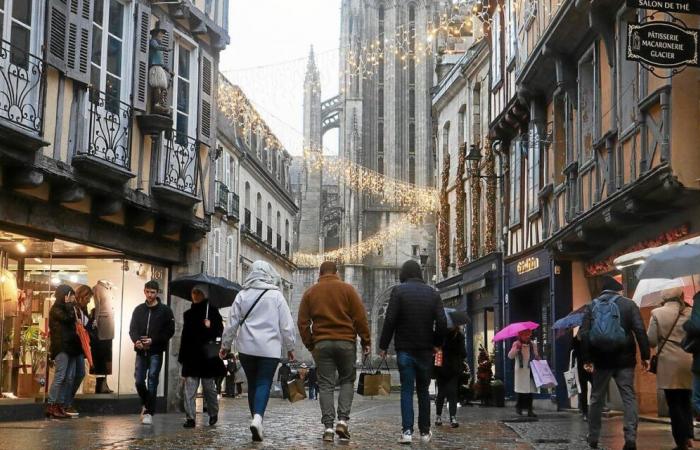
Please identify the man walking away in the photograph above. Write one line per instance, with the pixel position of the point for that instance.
(608, 333)
(312, 379)
(415, 319)
(331, 316)
(283, 375)
(152, 326)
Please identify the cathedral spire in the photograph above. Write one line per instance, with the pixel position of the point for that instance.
(312, 73)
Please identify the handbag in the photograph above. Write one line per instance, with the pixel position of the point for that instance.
(373, 382)
(297, 391)
(211, 349)
(654, 362)
(571, 377)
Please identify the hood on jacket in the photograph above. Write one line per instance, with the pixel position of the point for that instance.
(410, 269)
(62, 292)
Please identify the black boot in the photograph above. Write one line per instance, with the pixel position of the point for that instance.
(101, 386)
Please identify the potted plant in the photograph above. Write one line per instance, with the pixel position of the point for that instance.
(32, 345)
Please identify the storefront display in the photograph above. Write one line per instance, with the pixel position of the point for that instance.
(30, 270)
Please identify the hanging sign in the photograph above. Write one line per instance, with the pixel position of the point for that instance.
(674, 6)
(662, 44)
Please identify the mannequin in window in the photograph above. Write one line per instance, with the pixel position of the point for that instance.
(158, 76)
(103, 319)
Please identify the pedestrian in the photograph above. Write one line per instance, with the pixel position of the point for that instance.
(692, 329)
(284, 375)
(448, 374)
(415, 319)
(231, 368)
(331, 317)
(673, 373)
(313, 383)
(202, 326)
(64, 350)
(523, 351)
(262, 327)
(83, 295)
(583, 376)
(152, 325)
(613, 357)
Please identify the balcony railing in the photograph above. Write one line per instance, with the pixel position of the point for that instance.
(221, 196)
(279, 243)
(22, 87)
(234, 202)
(180, 168)
(246, 219)
(109, 129)
(258, 228)
(269, 236)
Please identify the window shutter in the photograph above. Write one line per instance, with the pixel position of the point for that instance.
(79, 42)
(207, 91)
(56, 34)
(227, 170)
(141, 41)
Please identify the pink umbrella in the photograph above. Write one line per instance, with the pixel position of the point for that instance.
(513, 329)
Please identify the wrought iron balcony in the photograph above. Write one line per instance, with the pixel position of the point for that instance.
(269, 236)
(258, 228)
(222, 202)
(234, 202)
(178, 169)
(107, 152)
(22, 88)
(246, 219)
(279, 243)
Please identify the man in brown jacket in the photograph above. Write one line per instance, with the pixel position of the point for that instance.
(331, 316)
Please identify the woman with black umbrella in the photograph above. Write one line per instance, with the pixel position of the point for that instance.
(198, 355)
(447, 374)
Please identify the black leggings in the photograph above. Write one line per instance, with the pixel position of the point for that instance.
(524, 402)
(681, 415)
(447, 388)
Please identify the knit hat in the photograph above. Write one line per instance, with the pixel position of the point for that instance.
(203, 288)
(611, 284)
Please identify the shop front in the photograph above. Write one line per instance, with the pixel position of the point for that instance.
(31, 267)
(538, 289)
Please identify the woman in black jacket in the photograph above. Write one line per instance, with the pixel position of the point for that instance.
(447, 375)
(692, 329)
(65, 349)
(202, 329)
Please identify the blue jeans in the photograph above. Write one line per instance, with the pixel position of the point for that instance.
(696, 393)
(62, 385)
(313, 391)
(259, 371)
(146, 376)
(78, 376)
(415, 368)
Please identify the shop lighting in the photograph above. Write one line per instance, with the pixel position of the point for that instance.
(21, 247)
(55, 281)
(2, 279)
(38, 260)
(73, 278)
(637, 262)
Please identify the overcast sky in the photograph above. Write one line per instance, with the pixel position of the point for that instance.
(270, 41)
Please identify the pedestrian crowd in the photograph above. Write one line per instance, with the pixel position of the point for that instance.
(428, 345)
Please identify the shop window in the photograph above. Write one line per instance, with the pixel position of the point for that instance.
(30, 271)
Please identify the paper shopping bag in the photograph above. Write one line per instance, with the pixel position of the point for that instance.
(374, 382)
(542, 374)
(296, 390)
(571, 378)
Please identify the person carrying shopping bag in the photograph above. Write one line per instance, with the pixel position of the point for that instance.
(262, 328)
(447, 375)
(523, 351)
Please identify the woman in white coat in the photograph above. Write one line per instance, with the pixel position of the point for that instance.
(523, 351)
(261, 325)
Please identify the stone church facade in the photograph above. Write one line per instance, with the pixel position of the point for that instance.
(384, 122)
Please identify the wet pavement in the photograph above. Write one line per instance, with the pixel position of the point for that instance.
(375, 424)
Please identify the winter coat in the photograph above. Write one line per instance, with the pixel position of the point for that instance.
(524, 383)
(104, 310)
(415, 317)
(64, 338)
(632, 323)
(453, 354)
(692, 329)
(195, 336)
(673, 362)
(156, 322)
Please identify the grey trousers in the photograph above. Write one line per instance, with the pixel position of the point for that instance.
(332, 357)
(624, 378)
(210, 396)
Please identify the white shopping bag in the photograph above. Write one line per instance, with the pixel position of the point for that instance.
(544, 378)
(571, 377)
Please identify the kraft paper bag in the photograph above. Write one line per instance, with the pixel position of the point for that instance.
(542, 374)
(296, 390)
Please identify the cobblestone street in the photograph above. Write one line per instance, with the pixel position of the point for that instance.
(375, 425)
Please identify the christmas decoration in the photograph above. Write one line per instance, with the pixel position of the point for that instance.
(484, 376)
(491, 185)
(460, 207)
(444, 218)
(476, 211)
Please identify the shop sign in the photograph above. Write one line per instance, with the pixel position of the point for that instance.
(527, 265)
(677, 6)
(662, 44)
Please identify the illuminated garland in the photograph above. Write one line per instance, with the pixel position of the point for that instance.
(476, 212)
(461, 206)
(490, 169)
(420, 200)
(443, 220)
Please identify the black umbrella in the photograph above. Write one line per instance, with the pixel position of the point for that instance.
(459, 318)
(222, 292)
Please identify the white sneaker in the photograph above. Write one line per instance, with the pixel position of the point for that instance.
(406, 437)
(425, 438)
(329, 435)
(147, 419)
(256, 428)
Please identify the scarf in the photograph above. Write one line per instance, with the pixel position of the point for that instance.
(262, 276)
(520, 355)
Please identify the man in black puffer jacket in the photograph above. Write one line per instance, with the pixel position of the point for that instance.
(152, 326)
(416, 320)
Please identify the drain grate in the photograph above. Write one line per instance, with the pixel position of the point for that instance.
(552, 441)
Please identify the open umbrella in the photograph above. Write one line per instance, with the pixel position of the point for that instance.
(513, 330)
(650, 291)
(571, 320)
(455, 318)
(222, 292)
(678, 261)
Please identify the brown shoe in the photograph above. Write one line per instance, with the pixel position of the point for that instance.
(54, 411)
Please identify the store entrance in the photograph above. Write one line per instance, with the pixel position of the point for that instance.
(532, 303)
